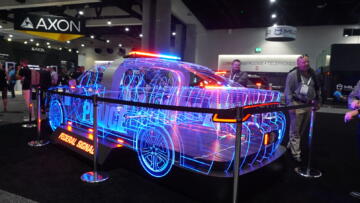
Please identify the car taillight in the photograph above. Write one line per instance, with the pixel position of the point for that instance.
(269, 138)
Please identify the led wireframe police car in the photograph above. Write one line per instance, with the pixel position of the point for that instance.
(200, 142)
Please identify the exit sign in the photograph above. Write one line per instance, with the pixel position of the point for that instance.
(258, 50)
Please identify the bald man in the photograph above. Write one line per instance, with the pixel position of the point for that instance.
(301, 88)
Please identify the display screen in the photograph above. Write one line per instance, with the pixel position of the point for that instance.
(345, 57)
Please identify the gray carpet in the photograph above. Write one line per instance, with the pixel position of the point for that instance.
(6, 197)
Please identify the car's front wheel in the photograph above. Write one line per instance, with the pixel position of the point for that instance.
(155, 151)
(56, 114)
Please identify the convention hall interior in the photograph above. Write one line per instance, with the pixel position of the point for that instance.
(180, 101)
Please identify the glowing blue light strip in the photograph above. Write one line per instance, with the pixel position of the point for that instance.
(164, 56)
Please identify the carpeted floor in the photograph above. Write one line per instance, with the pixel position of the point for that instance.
(52, 173)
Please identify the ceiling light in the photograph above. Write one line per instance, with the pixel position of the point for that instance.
(25, 42)
(77, 51)
(272, 1)
(69, 50)
(173, 33)
(92, 36)
(107, 41)
(127, 29)
(60, 48)
(47, 43)
(49, 46)
(37, 44)
(273, 15)
(120, 45)
(68, 42)
(9, 39)
(140, 35)
(82, 45)
(109, 22)
(11, 35)
(31, 40)
(0, 26)
(81, 12)
(346, 35)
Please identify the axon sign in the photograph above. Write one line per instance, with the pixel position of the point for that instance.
(54, 24)
(281, 33)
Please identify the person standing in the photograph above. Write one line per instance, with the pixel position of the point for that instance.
(12, 81)
(301, 88)
(354, 105)
(237, 75)
(25, 76)
(3, 86)
(54, 76)
(45, 83)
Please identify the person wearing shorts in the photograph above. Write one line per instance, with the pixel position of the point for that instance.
(3, 86)
(25, 77)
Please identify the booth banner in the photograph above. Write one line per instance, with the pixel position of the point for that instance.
(259, 63)
(53, 27)
(281, 33)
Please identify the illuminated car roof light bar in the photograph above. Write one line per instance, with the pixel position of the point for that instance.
(140, 53)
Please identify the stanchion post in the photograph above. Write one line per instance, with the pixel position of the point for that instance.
(94, 176)
(237, 154)
(309, 172)
(29, 124)
(38, 142)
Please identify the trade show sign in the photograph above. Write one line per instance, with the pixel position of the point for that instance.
(260, 63)
(281, 33)
(52, 27)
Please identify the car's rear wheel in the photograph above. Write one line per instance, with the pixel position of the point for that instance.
(156, 151)
(56, 114)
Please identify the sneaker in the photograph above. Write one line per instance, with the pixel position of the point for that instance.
(355, 194)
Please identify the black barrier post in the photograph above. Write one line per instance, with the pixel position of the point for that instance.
(309, 172)
(29, 124)
(94, 176)
(237, 153)
(38, 142)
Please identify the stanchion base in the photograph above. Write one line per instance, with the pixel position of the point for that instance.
(89, 177)
(38, 143)
(28, 125)
(308, 173)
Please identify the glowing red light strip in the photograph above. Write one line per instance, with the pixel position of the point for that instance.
(245, 118)
(153, 55)
(258, 105)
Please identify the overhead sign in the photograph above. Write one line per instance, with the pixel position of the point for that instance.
(53, 27)
(281, 33)
(260, 63)
(38, 49)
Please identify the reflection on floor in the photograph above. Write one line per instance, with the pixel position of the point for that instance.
(53, 174)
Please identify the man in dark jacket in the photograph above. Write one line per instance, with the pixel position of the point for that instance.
(237, 75)
(301, 88)
(354, 105)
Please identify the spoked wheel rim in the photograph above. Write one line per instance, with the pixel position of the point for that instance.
(56, 115)
(156, 152)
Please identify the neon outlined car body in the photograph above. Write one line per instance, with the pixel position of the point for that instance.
(163, 138)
